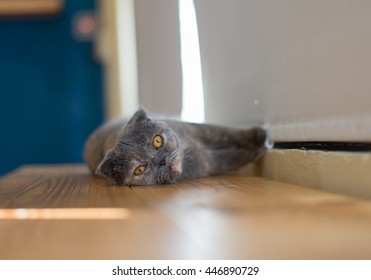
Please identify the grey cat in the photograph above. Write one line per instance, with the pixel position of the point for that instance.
(148, 151)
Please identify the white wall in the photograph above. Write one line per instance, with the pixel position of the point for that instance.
(159, 65)
(303, 67)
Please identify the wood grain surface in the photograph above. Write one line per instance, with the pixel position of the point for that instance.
(62, 212)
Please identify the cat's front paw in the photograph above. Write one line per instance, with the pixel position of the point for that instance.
(253, 139)
(258, 137)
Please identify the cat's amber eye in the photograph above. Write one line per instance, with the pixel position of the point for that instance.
(157, 141)
(139, 170)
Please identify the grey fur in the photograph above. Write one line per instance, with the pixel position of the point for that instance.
(189, 150)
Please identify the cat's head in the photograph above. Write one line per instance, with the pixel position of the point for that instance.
(146, 153)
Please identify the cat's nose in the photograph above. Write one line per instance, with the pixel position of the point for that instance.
(162, 162)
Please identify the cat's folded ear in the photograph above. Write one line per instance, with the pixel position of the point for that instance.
(139, 116)
(111, 168)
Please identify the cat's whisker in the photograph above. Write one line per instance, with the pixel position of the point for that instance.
(187, 149)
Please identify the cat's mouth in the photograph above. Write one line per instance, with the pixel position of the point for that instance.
(171, 171)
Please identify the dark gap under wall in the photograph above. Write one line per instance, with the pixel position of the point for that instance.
(325, 146)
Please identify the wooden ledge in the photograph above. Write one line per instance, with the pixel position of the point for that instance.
(346, 173)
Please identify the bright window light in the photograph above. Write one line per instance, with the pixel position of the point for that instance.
(193, 96)
(64, 214)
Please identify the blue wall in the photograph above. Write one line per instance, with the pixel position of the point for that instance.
(50, 90)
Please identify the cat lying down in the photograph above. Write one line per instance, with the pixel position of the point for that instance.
(149, 151)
